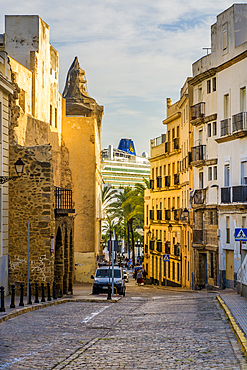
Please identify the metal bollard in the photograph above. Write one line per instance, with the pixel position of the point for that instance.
(109, 291)
(54, 290)
(22, 295)
(43, 292)
(2, 308)
(36, 293)
(29, 294)
(12, 304)
(48, 292)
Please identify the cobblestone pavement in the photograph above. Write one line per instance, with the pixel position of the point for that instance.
(150, 328)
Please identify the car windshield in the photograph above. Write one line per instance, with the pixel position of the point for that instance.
(102, 273)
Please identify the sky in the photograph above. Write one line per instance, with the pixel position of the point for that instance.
(135, 54)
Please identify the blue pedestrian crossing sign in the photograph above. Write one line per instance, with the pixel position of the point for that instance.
(241, 235)
(166, 257)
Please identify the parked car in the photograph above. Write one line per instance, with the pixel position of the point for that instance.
(101, 280)
(125, 276)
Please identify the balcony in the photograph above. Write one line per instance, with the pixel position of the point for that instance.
(151, 214)
(159, 140)
(198, 153)
(167, 215)
(159, 246)
(167, 147)
(167, 247)
(226, 195)
(225, 127)
(167, 180)
(176, 213)
(199, 196)
(176, 250)
(159, 214)
(63, 201)
(239, 193)
(239, 122)
(151, 184)
(176, 143)
(151, 245)
(198, 111)
(176, 179)
(198, 236)
(159, 181)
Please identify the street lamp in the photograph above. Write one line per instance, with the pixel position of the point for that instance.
(170, 228)
(19, 167)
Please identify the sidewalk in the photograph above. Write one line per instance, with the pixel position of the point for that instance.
(81, 293)
(235, 308)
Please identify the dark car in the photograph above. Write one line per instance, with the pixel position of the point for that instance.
(101, 280)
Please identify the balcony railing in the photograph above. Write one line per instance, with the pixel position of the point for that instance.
(63, 200)
(167, 180)
(167, 214)
(176, 143)
(151, 184)
(167, 147)
(176, 214)
(151, 214)
(176, 250)
(239, 193)
(225, 127)
(198, 153)
(159, 246)
(239, 122)
(226, 195)
(176, 179)
(199, 196)
(167, 247)
(198, 111)
(151, 245)
(159, 140)
(159, 214)
(159, 181)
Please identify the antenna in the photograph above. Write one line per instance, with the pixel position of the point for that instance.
(206, 49)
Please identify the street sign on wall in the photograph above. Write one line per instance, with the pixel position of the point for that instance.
(166, 257)
(241, 234)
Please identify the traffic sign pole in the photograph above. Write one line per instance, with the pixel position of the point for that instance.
(241, 277)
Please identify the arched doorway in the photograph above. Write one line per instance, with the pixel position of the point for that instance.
(66, 264)
(71, 263)
(58, 266)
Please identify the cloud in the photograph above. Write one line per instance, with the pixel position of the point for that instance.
(135, 53)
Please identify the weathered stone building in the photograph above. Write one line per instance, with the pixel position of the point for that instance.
(82, 120)
(44, 193)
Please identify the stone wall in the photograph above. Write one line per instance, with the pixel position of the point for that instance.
(31, 198)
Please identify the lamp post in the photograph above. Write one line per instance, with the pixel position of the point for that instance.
(19, 167)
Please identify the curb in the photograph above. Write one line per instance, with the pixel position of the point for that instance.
(236, 329)
(21, 311)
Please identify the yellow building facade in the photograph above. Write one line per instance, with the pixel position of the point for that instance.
(167, 230)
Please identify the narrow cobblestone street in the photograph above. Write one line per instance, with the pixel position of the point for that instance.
(150, 328)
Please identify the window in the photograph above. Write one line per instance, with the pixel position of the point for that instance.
(244, 173)
(209, 130)
(227, 229)
(201, 180)
(51, 115)
(56, 117)
(226, 175)
(211, 265)
(214, 84)
(177, 131)
(178, 272)
(173, 270)
(243, 99)
(224, 39)
(243, 221)
(208, 86)
(215, 172)
(211, 218)
(226, 106)
(169, 269)
(199, 94)
(214, 128)
(188, 270)
(209, 173)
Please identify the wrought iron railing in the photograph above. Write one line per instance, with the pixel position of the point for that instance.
(198, 111)
(167, 180)
(226, 195)
(199, 196)
(159, 246)
(159, 214)
(198, 153)
(239, 194)
(63, 200)
(225, 127)
(239, 121)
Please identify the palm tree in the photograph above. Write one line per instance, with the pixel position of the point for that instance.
(108, 194)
